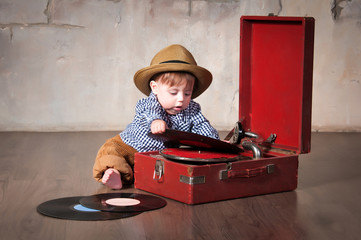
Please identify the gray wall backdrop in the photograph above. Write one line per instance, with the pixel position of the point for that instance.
(69, 64)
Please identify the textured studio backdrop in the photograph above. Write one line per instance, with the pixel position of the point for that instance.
(68, 65)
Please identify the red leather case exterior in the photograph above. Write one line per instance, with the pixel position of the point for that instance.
(246, 178)
(276, 65)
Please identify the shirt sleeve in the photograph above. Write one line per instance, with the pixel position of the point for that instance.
(136, 133)
(200, 125)
(147, 110)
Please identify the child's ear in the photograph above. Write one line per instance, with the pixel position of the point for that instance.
(154, 87)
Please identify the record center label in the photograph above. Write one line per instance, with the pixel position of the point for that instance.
(122, 202)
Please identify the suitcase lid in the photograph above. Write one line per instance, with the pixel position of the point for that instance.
(275, 87)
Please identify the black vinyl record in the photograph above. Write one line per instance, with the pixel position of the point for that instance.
(141, 202)
(70, 208)
(195, 156)
(173, 138)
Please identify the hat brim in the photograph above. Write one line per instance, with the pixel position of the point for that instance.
(143, 76)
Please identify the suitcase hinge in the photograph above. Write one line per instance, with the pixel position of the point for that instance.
(192, 180)
(158, 170)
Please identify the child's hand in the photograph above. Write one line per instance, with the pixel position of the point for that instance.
(158, 126)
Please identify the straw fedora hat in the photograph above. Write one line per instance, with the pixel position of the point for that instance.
(174, 58)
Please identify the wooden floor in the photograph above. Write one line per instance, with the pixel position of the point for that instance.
(36, 167)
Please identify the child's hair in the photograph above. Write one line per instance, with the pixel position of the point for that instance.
(175, 78)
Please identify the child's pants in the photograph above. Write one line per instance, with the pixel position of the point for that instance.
(115, 154)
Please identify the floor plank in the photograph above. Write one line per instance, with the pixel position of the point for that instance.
(36, 167)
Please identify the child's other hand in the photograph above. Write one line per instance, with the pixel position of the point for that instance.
(158, 126)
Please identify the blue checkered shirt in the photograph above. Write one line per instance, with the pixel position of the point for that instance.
(149, 109)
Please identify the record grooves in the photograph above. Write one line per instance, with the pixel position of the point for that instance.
(146, 202)
(69, 208)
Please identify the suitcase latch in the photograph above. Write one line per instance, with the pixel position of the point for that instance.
(223, 174)
(158, 170)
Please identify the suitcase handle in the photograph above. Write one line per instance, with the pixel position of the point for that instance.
(247, 173)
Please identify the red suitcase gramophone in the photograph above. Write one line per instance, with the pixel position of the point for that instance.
(275, 96)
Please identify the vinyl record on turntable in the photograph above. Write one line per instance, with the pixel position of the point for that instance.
(195, 156)
(123, 202)
(175, 137)
(70, 208)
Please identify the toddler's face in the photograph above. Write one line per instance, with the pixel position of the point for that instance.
(173, 98)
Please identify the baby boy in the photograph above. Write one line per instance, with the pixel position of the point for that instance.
(171, 82)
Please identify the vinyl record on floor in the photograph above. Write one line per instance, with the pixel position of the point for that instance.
(70, 208)
(123, 202)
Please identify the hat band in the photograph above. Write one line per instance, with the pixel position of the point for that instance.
(174, 61)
